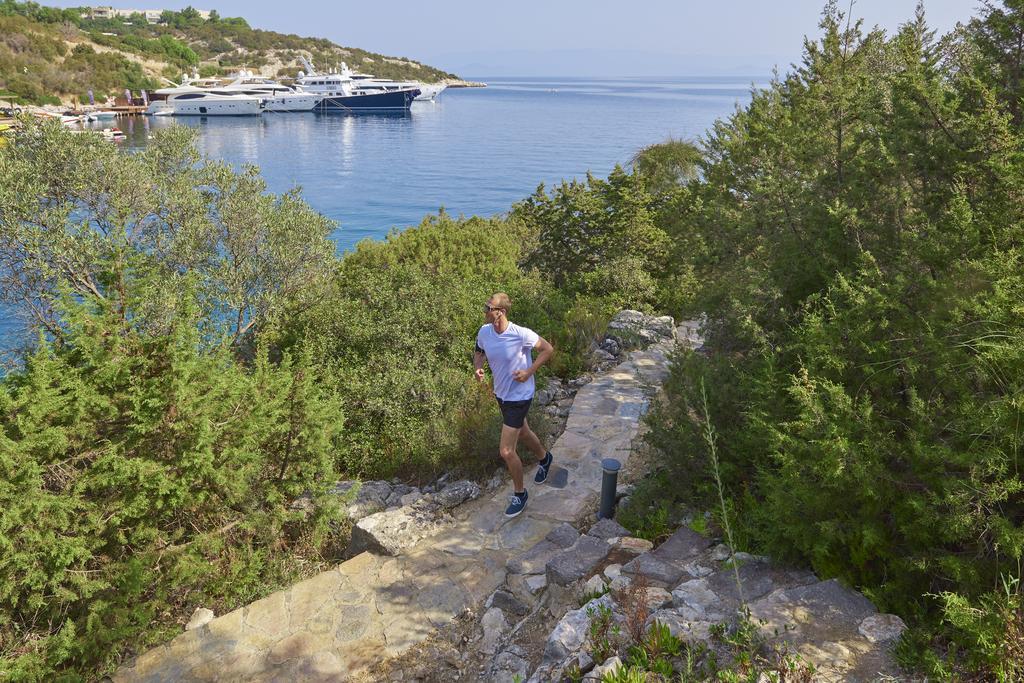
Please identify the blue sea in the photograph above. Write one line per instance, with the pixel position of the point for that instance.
(475, 151)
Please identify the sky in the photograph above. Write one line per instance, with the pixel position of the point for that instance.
(572, 37)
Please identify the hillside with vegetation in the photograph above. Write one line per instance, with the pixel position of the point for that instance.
(203, 358)
(48, 55)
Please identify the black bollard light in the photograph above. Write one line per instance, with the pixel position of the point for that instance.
(609, 478)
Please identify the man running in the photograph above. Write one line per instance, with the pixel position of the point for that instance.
(507, 348)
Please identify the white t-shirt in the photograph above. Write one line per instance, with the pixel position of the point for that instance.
(506, 352)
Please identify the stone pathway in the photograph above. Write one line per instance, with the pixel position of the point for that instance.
(342, 622)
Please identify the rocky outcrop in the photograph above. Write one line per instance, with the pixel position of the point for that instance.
(828, 626)
(399, 528)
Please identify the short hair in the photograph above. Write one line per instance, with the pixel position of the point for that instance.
(501, 300)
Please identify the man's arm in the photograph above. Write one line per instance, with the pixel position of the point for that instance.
(544, 352)
(478, 364)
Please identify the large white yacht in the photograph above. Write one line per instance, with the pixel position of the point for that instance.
(194, 100)
(338, 92)
(370, 83)
(276, 96)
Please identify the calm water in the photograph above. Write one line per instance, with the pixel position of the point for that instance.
(474, 151)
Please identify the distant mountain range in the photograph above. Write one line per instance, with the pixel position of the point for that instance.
(52, 55)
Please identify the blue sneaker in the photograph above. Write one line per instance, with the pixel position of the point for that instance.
(542, 468)
(517, 501)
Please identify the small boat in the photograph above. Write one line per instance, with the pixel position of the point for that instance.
(113, 134)
(100, 115)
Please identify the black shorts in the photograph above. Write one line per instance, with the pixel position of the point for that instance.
(513, 413)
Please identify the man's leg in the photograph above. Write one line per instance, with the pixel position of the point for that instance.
(532, 441)
(507, 450)
(534, 444)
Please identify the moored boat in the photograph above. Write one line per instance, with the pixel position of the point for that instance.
(397, 100)
(191, 100)
(276, 96)
(339, 95)
(362, 82)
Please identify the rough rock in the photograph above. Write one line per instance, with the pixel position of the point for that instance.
(608, 528)
(411, 497)
(457, 493)
(655, 598)
(199, 618)
(563, 535)
(629, 545)
(632, 329)
(582, 380)
(570, 633)
(683, 627)
(510, 664)
(881, 628)
(620, 583)
(695, 601)
(536, 583)
(579, 561)
(370, 497)
(720, 553)
(391, 531)
(681, 547)
(611, 346)
(595, 585)
(697, 569)
(507, 602)
(495, 626)
(584, 662)
(551, 392)
(610, 665)
(657, 571)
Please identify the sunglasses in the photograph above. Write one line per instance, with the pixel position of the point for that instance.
(488, 308)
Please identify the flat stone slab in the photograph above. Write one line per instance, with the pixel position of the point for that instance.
(607, 528)
(534, 560)
(682, 546)
(560, 506)
(579, 561)
(758, 579)
(563, 535)
(657, 571)
(558, 478)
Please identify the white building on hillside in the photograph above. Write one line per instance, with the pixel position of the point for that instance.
(152, 15)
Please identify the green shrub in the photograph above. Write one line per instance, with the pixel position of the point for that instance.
(143, 478)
